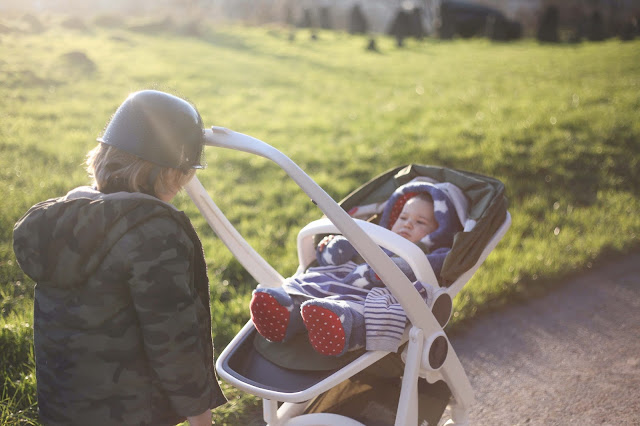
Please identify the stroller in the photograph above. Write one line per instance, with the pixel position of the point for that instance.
(301, 387)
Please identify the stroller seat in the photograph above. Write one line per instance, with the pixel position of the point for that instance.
(300, 387)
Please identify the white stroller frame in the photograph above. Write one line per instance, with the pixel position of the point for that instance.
(428, 353)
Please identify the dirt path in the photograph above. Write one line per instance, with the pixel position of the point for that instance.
(571, 357)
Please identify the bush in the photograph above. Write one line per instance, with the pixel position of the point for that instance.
(109, 21)
(74, 23)
(152, 25)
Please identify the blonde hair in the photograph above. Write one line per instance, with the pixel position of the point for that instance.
(110, 166)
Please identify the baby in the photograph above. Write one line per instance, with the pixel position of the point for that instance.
(342, 304)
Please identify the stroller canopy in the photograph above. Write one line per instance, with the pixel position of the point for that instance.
(485, 209)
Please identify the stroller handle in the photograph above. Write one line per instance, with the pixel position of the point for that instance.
(382, 264)
(259, 268)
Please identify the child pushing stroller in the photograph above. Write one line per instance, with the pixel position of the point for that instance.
(341, 303)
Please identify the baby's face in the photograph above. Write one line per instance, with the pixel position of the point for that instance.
(416, 220)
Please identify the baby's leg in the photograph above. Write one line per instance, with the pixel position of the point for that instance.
(334, 326)
(275, 314)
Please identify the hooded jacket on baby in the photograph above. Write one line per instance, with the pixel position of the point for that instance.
(338, 250)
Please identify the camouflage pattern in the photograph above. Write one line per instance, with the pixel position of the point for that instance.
(122, 323)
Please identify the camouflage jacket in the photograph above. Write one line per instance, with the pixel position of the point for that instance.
(122, 323)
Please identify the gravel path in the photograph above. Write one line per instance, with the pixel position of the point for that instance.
(571, 357)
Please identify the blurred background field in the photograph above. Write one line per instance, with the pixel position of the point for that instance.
(558, 124)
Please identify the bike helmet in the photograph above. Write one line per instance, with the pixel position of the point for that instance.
(160, 128)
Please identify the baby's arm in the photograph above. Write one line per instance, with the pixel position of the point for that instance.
(436, 259)
(334, 250)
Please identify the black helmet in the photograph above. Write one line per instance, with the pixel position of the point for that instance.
(160, 128)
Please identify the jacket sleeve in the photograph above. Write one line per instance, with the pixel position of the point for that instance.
(162, 289)
(334, 250)
(436, 259)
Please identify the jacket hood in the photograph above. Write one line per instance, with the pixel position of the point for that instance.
(62, 241)
(444, 212)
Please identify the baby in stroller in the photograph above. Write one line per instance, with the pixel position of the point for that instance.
(341, 303)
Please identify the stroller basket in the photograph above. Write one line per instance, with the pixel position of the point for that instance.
(427, 370)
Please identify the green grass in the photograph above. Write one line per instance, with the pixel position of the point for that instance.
(557, 124)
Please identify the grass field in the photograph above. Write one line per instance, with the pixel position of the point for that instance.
(558, 124)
